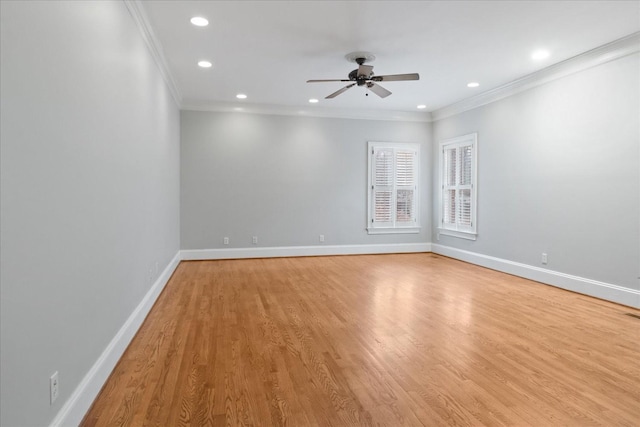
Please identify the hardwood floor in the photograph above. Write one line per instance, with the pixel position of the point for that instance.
(411, 339)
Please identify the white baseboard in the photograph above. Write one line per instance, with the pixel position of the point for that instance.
(292, 251)
(76, 407)
(606, 291)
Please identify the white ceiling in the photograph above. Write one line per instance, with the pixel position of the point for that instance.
(268, 49)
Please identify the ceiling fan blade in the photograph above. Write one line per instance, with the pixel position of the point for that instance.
(378, 90)
(396, 77)
(365, 70)
(333, 80)
(338, 92)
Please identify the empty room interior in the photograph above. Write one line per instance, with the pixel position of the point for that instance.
(319, 213)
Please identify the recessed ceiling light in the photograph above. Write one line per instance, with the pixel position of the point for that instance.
(473, 84)
(313, 100)
(205, 64)
(241, 96)
(199, 21)
(540, 54)
(422, 106)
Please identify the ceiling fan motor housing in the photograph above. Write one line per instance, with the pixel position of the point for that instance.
(362, 78)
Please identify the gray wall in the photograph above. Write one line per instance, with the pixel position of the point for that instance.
(286, 179)
(89, 192)
(558, 172)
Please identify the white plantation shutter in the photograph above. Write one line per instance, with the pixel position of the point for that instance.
(450, 165)
(383, 201)
(458, 204)
(405, 173)
(405, 186)
(404, 206)
(383, 186)
(464, 208)
(450, 173)
(393, 184)
(465, 164)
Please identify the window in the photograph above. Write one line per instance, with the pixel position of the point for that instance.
(458, 192)
(393, 188)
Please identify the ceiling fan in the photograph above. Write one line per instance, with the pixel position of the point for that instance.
(363, 76)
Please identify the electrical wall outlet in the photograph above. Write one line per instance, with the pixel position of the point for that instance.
(544, 258)
(225, 241)
(255, 240)
(322, 238)
(53, 387)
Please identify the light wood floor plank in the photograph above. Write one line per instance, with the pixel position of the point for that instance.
(373, 340)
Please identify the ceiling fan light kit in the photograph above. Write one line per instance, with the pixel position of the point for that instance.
(364, 76)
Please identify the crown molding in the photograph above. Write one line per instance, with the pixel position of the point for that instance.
(136, 9)
(308, 111)
(609, 52)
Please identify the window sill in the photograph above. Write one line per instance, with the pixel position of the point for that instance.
(406, 230)
(468, 235)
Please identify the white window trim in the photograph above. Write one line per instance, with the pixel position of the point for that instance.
(460, 234)
(472, 232)
(396, 229)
